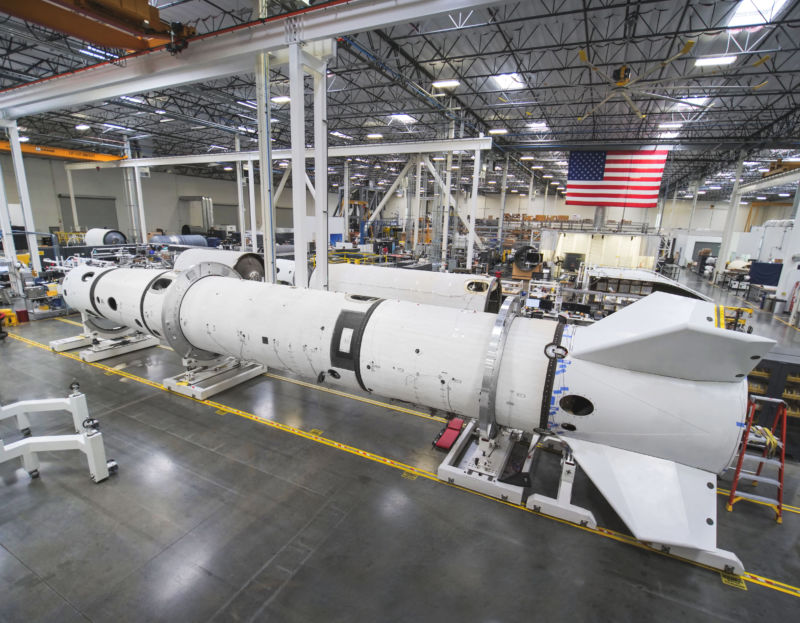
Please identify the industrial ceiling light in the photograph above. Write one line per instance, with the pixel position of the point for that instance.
(281, 99)
(784, 195)
(553, 183)
(526, 158)
(446, 84)
(23, 139)
(247, 104)
(547, 177)
(133, 100)
(714, 60)
(668, 135)
(538, 125)
(83, 126)
(338, 134)
(509, 82)
(227, 169)
(375, 136)
(498, 131)
(669, 126)
(692, 102)
(402, 118)
(761, 198)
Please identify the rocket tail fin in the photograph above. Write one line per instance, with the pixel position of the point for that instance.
(671, 336)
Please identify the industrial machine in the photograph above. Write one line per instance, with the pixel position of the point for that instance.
(651, 432)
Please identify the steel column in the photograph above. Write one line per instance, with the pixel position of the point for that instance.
(503, 190)
(346, 200)
(24, 197)
(140, 204)
(298, 139)
(473, 209)
(444, 197)
(694, 206)
(264, 156)
(130, 193)
(730, 220)
(72, 204)
(321, 172)
(237, 142)
(417, 202)
(251, 192)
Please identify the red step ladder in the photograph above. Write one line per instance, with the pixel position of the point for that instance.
(773, 439)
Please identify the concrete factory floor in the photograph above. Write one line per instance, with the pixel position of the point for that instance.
(213, 516)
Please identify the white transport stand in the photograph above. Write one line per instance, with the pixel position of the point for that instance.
(104, 342)
(479, 460)
(206, 373)
(87, 437)
(203, 379)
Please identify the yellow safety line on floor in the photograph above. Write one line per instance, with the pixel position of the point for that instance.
(781, 320)
(335, 392)
(787, 507)
(611, 534)
(368, 401)
(77, 324)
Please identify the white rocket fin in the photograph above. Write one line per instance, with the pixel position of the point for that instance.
(660, 501)
(672, 336)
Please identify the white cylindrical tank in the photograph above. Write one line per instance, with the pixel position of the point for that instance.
(98, 237)
(471, 292)
(618, 382)
(248, 265)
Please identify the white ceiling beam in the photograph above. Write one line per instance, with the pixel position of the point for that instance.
(213, 55)
(779, 179)
(349, 151)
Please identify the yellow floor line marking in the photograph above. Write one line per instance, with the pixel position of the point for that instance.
(791, 326)
(77, 324)
(410, 469)
(787, 507)
(368, 401)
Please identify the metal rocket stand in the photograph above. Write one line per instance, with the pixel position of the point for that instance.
(87, 437)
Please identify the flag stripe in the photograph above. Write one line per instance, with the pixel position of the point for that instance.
(616, 203)
(628, 178)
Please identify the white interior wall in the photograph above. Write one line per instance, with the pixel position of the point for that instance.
(47, 179)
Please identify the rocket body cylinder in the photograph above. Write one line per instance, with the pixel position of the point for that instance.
(436, 357)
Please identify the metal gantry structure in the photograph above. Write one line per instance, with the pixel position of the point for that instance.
(519, 70)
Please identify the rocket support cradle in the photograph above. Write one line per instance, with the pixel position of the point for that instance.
(657, 380)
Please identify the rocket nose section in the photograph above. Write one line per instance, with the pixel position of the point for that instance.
(671, 336)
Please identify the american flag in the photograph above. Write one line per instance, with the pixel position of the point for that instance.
(625, 179)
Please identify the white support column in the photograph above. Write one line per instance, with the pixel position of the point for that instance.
(444, 199)
(72, 204)
(24, 197)
(321, 173)
(417, 202)
(503, 190)
(298, 140)
(672, 206)
(730, 221)
(531, 193)
(473, 209)
(237, 142)
(694, 207)
(791, 248)
(9, 250)
(140, 204)
(251, 192)
(346, 200)
(265, 157)
(130, 192)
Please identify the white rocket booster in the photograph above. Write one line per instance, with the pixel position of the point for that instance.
(658, 377)
(651, 401)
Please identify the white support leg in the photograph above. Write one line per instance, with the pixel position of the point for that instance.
(87, 437)
(203, 379)
(561, 506)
